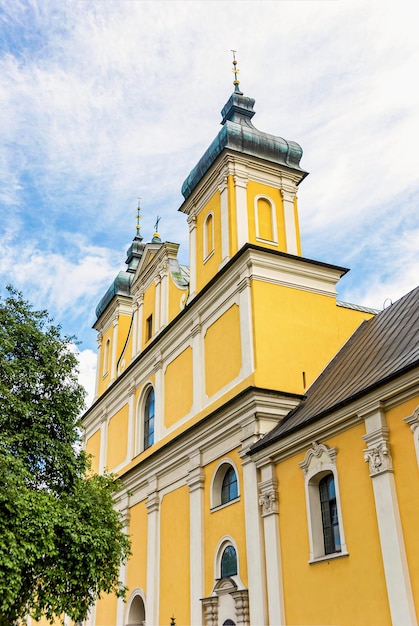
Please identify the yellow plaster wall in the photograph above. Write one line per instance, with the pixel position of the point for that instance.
(207, 268)
(148, 309)
(93, 448)
(339, 591)
(137, 564)
(175, 555)
(178, 386)
(222, 351)
(255, 189)
(296, 331)
(225, 521)
(406, 476)
(106, 610)
(124, 323)
(177, 299)
(117, 438)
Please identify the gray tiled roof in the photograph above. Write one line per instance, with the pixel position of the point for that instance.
(380, 349)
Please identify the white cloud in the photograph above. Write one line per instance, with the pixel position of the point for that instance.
(105, 101)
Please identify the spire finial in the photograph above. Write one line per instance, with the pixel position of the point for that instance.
(156, 238)
(235, 71)
(138, 227)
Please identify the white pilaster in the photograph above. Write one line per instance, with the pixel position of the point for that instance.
(246, 326)
(98, 373)
(195, 481)
(120, 606)
(139, 334)
(225, 234)
(377, 454)
(114, 344)
(197, 366)
(153, 555)
(268, 500)
(131, 422)
(192, 253)
(288, 195)
(164, 295)
(157, 304)
(103, 443)
(134, 329)
(254, 545)
(242, 217)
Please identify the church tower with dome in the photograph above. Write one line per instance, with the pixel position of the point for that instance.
(242, 491)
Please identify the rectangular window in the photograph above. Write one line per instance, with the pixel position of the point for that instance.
(149, 327)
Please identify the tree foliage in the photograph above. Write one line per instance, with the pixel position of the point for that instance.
(61, 540)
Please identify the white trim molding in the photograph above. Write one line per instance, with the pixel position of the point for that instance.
(320, 461)
(396, 571)
(413, 422)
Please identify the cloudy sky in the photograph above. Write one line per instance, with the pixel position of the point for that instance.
(103, 101)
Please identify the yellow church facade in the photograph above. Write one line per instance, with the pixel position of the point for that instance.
(265, 432)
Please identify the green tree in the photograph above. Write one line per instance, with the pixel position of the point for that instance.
(61, 540)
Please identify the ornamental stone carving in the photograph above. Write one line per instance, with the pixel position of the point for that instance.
(269, 503)
(268, 498)
(377, 455)
(318, 454)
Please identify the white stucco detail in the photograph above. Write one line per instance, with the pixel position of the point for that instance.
(399, 588)
(254, 546)
(268, 500)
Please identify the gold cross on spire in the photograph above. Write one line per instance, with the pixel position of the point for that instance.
(235, 71)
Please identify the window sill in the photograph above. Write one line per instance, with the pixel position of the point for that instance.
(222, 506)
(328, 557)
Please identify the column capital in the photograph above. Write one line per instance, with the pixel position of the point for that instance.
(153, 502)
(288, 194)
(377, 455)
(268, 498)
(191, 219)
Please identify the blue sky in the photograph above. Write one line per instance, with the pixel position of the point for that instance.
(105, 101)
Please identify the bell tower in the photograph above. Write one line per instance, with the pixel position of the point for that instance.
(242, 190)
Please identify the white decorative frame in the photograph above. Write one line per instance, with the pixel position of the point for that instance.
(319, 461)
(413, 422)
(208, 253)
(139, 421)
(273, 220)
(136, 593)
(106, 357)
(217, 482)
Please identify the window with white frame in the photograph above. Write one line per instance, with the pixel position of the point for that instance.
(208, 235)
(145, 420)
(325, 527)
(265, 220)
(225, 484)
(149, 419)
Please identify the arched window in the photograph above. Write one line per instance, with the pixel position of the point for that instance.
(208, 235)
(225, 484)
(265, 220)
(330, 518)
(229, 489)
(325, 527)
(149, 419)
(229, 622)
(229, 562)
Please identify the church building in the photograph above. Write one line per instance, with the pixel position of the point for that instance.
(266, 433)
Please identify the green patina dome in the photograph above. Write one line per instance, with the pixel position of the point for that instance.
(239, 134)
